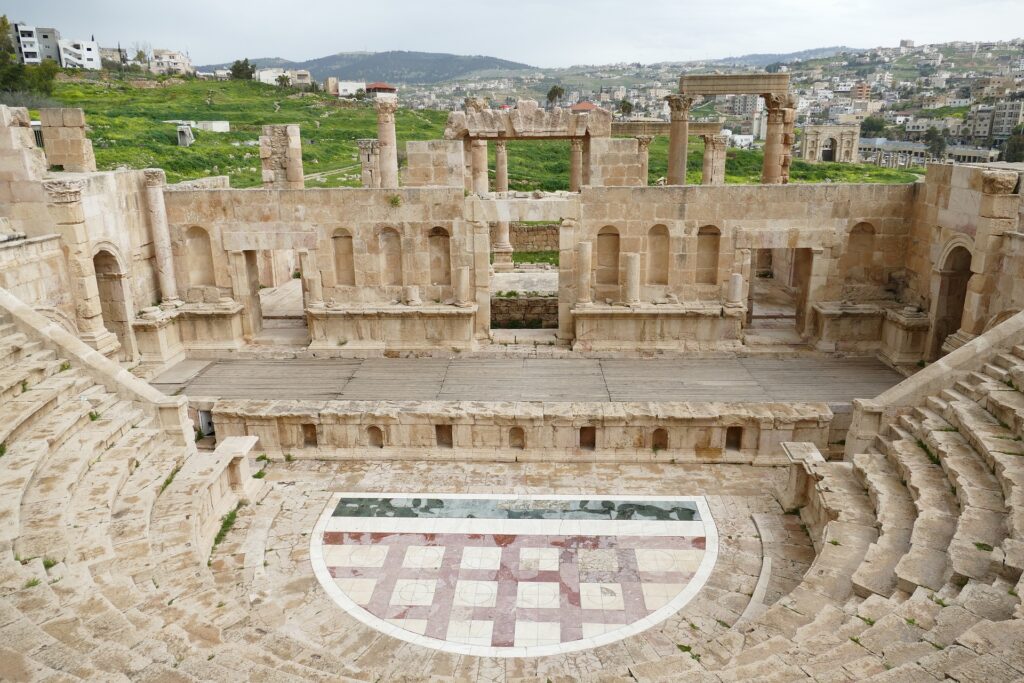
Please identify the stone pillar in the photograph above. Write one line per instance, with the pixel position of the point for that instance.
(163, 257)
(715, 147)
(678, 137)
(281, 157)
(576, 165)
(502, 249)
(789, 136)
(312, 281)
(463, 293)
(64, 140)
(369, 160)
(500, 166)
(65, 209)
(771, 172)
(631, 295)
(644, 149)
(388, 143)
(584, 252)
(735, 296)
(480, 184)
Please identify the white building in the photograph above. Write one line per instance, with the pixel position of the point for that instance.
(171, 62)
(79, 54)
(271, 74)
(349, 88)
(35, 44)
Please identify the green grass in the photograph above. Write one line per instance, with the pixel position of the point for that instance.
(226, 522)
(550, 257)
(126, 125)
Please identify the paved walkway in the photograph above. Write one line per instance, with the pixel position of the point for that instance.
(534, 379)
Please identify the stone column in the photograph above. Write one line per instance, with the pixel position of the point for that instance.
(678, 137)
(734, 298)
(313, 287)
(463, 293)
(480, 184)
(576, 165)
(65, 209)
(644, 148)
(631, 295)
(502, 249)
(369, 159)
(789, 136)
(771, 172)
(584, 252)
(163, 257)
(715, 147)
(388, 142)
(500, 166)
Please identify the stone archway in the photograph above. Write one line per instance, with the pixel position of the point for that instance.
(115, 300)
(950, 293)
(829, 149)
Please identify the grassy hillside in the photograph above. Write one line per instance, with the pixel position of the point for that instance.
(127, 129)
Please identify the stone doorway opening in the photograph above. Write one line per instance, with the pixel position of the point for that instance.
(777, 302)
(828, 149)
(111, 282)
(282, 304)
(953, 276)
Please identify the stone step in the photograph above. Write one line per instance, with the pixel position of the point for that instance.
(19, 377)
(19, 414)
(895, 512)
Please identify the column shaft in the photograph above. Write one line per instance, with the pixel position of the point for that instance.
(584, 252)
(480, 184)
(771, 172)
(388, 140)
(500, 166)
(678, 139)
(631, 295)
(576, 165)
(164, 258)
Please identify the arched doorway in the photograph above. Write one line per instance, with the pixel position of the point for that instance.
(954, 274)
(111, 283)
(828, 149)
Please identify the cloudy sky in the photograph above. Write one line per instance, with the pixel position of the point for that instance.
(551, 34)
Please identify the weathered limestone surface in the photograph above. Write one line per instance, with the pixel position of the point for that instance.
(64, 140)
(281, 157)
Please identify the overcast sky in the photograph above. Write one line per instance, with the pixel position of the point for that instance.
(547, 34)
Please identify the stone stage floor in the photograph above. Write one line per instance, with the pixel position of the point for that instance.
(833, 380)
(551, 570)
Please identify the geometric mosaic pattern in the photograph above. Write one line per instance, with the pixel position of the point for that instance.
(514, 575)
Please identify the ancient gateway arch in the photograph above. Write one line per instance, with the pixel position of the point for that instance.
(774, 88)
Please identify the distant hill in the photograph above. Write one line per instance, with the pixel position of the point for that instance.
(770, 58)
(395, 66)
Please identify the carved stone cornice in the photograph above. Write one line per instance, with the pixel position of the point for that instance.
(577, 144)
(368, 145)
(474, 105)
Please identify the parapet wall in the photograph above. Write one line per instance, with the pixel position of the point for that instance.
(567, 432)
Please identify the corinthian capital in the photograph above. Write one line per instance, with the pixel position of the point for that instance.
(64, 191)
(679, 104)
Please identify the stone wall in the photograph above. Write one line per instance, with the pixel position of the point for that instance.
(623, 432)
(616, 162)
(531, 237)
(434, 163)
(64, 139)
(524, 312)
(281, 156)
(34, 270)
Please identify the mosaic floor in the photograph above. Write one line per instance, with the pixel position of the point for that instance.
(512, 575)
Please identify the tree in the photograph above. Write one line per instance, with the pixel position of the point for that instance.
(17, 76)
(242, 70)
(1014, 148)
(360, 94)
(773, 68)
(556, 93)
(284, 81)
(935, 142)
(625, 107)
(872, 126)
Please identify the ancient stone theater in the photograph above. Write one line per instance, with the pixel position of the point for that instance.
(765, 432)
